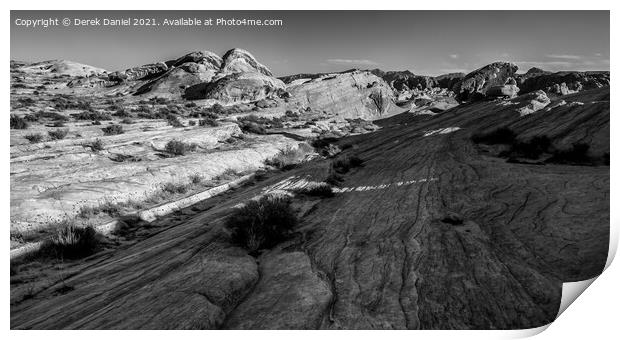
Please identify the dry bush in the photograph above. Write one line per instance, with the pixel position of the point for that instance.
(262, 223)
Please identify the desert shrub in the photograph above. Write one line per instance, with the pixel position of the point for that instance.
(208, 122)
(127, 121)
(89, 115)
(58, 134)
(34, 138)
(319, 190)
(179, 148)
(344, 164)
(208, 114)
(252, 127)
(577, 154)
(287, 158)
(218, 108)
(190, 105)
(192, 123)
(121, 112)
(58, 124)
(64, 103)
(31, 118)
(174, 121)
(502, 135)
(334, 178)
(175, 188)
(227, 175)
(18, 123)
(111, 130)
(70, 242)
(96, 122)
(532, 148)
(262, 223)
(25, 101)
(97, 145)
(196, 178)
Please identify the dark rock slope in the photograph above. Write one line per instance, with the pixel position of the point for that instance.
(475, 84)
(436, 235)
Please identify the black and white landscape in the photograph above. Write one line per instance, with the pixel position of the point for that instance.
(210, 191)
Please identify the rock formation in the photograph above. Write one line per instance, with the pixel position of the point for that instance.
(61, 67)
(475, 84)
(237, 88)
(406, 80)
(562, 83)
(358, 94)
(531, 102)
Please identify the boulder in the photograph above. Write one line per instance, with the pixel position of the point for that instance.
(476, 84)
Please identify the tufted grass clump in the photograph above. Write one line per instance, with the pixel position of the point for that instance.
(70, 242)
(263, 223)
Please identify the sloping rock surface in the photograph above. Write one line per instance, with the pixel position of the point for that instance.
(429, 234)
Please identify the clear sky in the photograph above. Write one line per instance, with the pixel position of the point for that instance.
(424, 42)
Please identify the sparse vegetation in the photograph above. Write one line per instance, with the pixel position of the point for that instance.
(18, 123)
(70, 241)
(58, 134)
(343, 164)
(539, 148)
(262, 223)
(127, 120)
(97, 145)
(111, 130)
(175, 188)
(318, 190)
(34, 138)
(502, 135)
(196, 178)
(286, 159)
(208, 122)
(89, 115)
(174, 121)
(179, 148)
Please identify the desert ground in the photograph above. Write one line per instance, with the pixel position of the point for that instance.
(205, 193)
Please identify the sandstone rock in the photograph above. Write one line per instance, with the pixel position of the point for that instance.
(509, 91)
(351, 95)
(209, 59)
(61, 67)
(476, 83)
(531, 102)
(237, 88)
(147, 71)
(563, 83)
(238, 60)
(406, 80)
(174, 82)
(289, 295)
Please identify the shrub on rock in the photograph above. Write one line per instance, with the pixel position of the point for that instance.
(263, 223)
